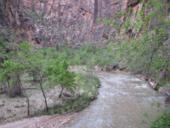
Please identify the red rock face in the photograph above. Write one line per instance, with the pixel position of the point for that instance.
(73, 21)
(49, 22)
(58, 21)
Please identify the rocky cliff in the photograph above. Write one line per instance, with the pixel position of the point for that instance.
(72, 21)
(48, 22)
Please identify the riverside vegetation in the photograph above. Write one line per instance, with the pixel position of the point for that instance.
(146, 51)
(145, 55)
(46, 68)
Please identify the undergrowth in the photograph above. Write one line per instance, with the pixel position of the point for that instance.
(88, 54)
(87, 90)
(162, 122)
(147, 55)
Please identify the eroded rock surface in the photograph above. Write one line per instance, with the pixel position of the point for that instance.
(73, 21)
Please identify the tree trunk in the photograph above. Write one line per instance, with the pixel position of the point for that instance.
(61, 92)
(35, 76)
(14, 86)
(28, 105)
(43, 92)
(27, 99)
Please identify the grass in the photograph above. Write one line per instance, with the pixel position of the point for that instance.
(162, 122)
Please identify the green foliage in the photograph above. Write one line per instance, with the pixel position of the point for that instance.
(73, 105)
(36, 62)
(32, 59)
(127, 24)
(87, 84)
(162, 122)
(3, 46)
(146, 54)
(10, 75)
(10, 67)
(91, 55)
(156, 4)
(88, 54)
(57, 71)
(53, 64)
(139, 21)
(25, 47)
(87, 88)
(149, 11)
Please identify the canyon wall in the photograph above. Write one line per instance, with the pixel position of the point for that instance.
(72, 21)
(49, 22)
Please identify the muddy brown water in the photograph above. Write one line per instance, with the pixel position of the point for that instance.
(124, 101)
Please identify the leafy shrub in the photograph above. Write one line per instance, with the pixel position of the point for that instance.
(57, 71)
(10, 74)
(146, 54)
(73, 105)
(162, 122)
(89, 55)
(87, 84)
(87, 87)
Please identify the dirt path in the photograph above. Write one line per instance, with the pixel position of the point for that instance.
(124, 101)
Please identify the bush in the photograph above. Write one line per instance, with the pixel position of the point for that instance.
(10, 74)
(57, 71)
(87, 84)
(147, 54)
(88, 54)
(87, 88)
(162, 122)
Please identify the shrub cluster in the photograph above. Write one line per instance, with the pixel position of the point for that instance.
(41, 64)
(148, 54)
(162, 122)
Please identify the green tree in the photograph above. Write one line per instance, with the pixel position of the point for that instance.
(58, 72)
(33, 61)
(11, 72)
